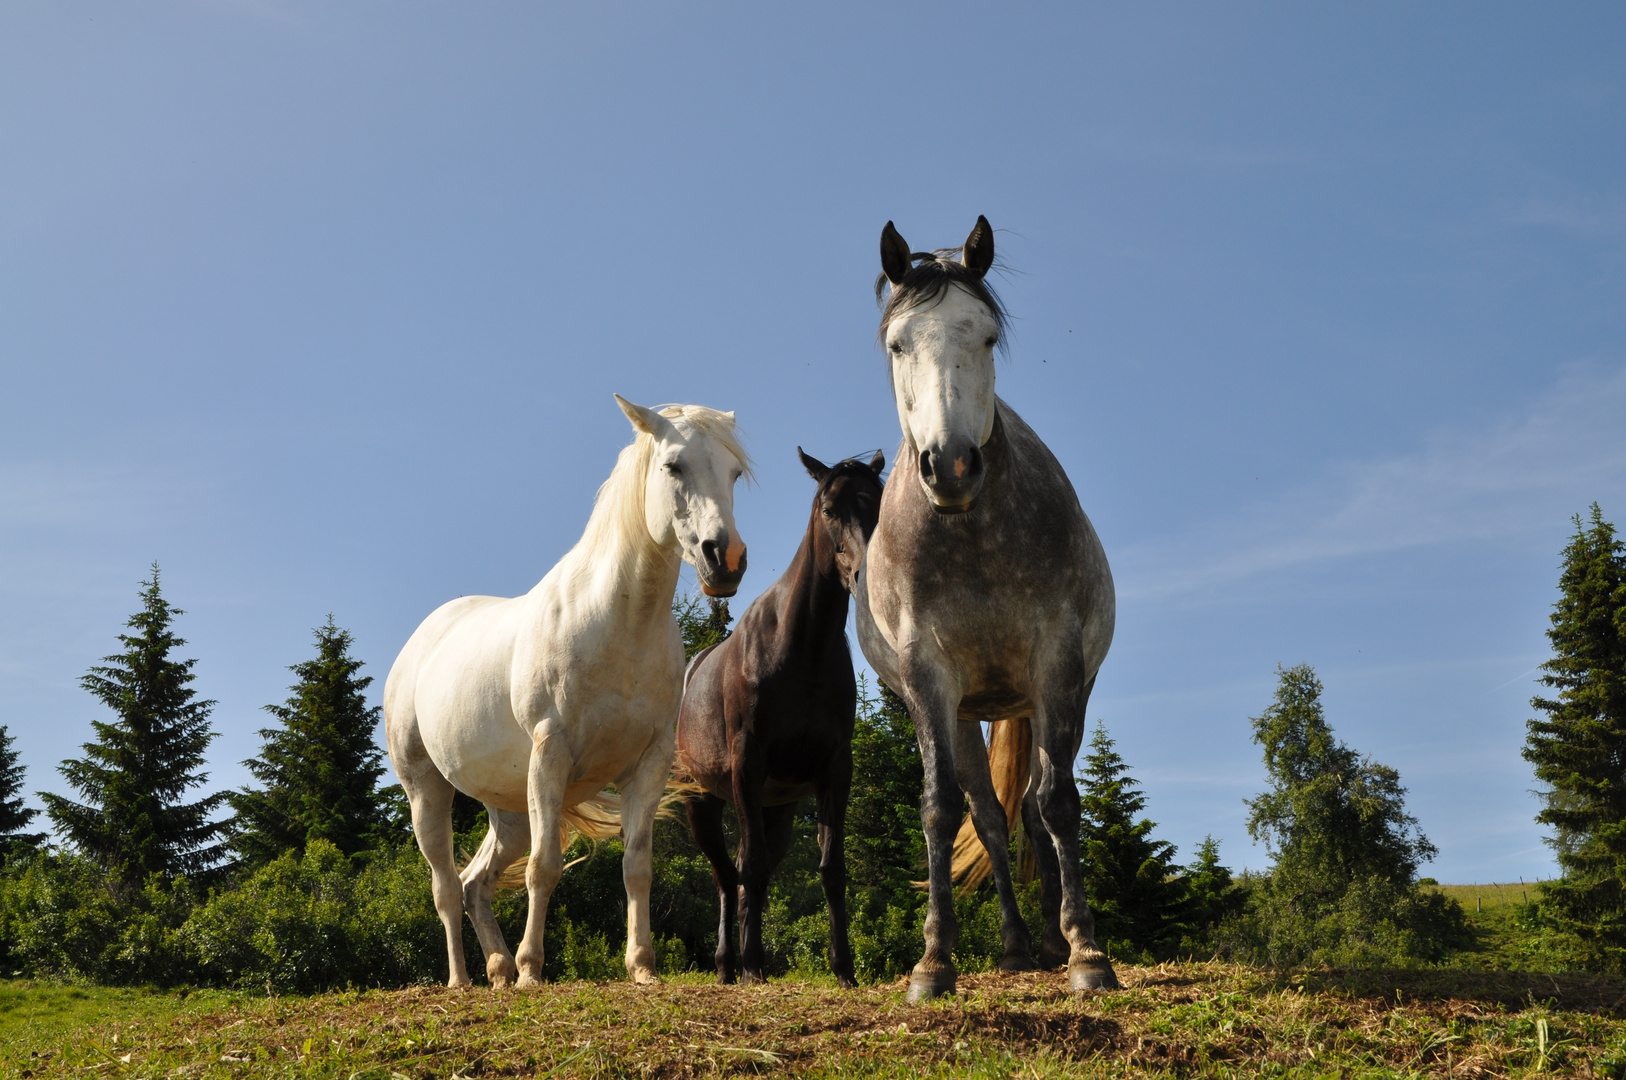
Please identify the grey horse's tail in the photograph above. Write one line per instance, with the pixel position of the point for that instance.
(1010, 757)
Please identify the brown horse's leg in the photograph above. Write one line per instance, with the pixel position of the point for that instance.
(753, 860)
(1053, 950)
(775, 828)
(706, 823)
(833, 865)
(1058, 731)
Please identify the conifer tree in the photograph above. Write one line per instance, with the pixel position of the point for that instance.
(320, 768)
(1331, 816)
(1578, 745)
(1130, 878)
(133, 822)
(14, 816)
(701, 625)
(886, 848)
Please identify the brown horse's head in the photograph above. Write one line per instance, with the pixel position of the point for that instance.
(845, 509)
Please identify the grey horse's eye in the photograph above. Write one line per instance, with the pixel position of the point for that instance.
(992, 341)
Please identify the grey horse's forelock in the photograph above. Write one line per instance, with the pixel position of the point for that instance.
(928, 281)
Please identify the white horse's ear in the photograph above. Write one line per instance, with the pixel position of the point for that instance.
(730, 415)
(978, 253)
(645, 420)
(895, 261)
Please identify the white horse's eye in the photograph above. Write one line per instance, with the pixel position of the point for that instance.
(896, 348)
(674, 468)
(992, 341)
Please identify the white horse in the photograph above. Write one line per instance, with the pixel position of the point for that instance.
(532, 705)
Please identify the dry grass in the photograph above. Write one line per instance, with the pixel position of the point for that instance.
(1177, 1020)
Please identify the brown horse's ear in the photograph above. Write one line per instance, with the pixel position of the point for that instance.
(817, 469)
(978, 253)
(877, 463)
(895, 261)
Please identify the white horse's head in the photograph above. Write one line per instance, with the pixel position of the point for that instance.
(688, 498)
(941, 326)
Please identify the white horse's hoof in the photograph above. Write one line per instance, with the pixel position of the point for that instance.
(645, 977)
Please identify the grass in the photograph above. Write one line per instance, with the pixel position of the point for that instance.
(1508, 936)
(1172, 1020)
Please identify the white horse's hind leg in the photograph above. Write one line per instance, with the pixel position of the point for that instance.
(506, 840)
(430, 795)
(640, 798)
(548, 776)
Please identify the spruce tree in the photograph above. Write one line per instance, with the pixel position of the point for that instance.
(319, 768)
(1331, 816)
(1578, 744)
(1130, 878)
(14, 816)
(885, 847)
(133, 821)
(702, 625)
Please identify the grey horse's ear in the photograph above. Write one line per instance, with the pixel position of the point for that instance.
(895, 261)
(817, 469)
(978, 253)
(645, 420)
(877, 463)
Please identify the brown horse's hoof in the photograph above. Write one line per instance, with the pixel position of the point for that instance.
(1017, 962)
(1092, 975)
(1051, 959)
(926, 985)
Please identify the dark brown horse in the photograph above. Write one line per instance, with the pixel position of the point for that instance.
(767, 719)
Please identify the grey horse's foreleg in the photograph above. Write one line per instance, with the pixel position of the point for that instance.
(1058, 731)
(935, 975)
(1053, 948)
(506, 840)
(971, 768)
(706, 823)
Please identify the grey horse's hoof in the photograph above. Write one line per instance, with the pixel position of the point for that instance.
(1017, 962)
(1092, 975)
(924, 986)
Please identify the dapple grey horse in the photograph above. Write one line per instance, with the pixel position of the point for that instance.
(985, 597)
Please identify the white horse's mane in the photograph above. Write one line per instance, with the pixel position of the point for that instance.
(617, 523)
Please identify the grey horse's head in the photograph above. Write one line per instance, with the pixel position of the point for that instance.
(941, 326)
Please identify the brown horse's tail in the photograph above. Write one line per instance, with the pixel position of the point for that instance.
(1010, 755)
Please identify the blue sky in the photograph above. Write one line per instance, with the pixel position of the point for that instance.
(321, 307)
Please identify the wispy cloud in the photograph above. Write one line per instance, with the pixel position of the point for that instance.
(1568, 450)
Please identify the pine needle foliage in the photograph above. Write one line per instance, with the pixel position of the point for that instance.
(134, 822)
(703, 621)
(1130, 878)
(1578, 744)
(1331, 816)
(14, 816)
(319, 768)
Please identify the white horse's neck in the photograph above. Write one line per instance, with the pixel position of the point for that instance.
(616, 569)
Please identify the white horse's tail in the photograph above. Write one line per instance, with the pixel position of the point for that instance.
(595, 819)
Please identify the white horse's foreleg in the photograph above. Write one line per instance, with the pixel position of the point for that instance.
(506, 840)
(640, 798)
(430, 795)
(547, 778)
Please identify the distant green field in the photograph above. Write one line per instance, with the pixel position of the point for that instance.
(1475, 897)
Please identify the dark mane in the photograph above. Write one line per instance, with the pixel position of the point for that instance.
(927, 281)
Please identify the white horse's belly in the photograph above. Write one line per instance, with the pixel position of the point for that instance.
(464, 713)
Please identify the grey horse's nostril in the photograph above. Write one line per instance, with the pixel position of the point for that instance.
(711, 553)
(975, 462)
(926, 466)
